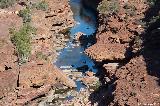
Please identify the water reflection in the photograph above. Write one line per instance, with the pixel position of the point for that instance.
(85, 18)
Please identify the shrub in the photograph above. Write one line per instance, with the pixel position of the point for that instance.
(65, 31)
(7, 3)
(130, 9)
(42, 56)
(22, 40)
(25, 14)
(42, 6)
(108, 7)
(152, 2)
(97, 85)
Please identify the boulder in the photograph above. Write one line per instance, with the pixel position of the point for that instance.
(26, 95)
(90, 80)
(108, 51)
(111, 66)
(78, 35)
(36, 75)
(90, 74)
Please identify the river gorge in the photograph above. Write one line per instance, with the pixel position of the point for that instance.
(79, 53)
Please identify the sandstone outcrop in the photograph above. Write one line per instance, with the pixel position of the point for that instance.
(132, 71)
(52, 28)
(8, 67)
(22, 84)
(36, 75)
(116, 33)
(134, 86)
(106, 51)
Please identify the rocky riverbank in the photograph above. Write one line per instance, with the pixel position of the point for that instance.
(126, 52)
(123, 50)
(22, 84)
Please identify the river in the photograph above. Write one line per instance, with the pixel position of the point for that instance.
(72, 57)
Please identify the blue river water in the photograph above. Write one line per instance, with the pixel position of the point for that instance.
(73, 55)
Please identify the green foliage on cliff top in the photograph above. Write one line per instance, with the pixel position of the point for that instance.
(42, 6)
(7, 3)
(25, 14)
(130, 9)
(108, 7)
(42, 56)
(22, 40)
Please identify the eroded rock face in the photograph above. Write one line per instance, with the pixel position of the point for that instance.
(52, 28)
(39, 73)
(90, 80)
(134, 86)
(116, 33)
(36, 75)
(106, 51)
(21, 84)
(8, 67)
(118, 38)
(7, 56)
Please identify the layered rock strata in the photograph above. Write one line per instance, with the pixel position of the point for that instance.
(130, 66)
(25, 83)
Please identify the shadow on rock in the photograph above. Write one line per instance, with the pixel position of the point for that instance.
(151, 50)
(102, 96)
(87, 41)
